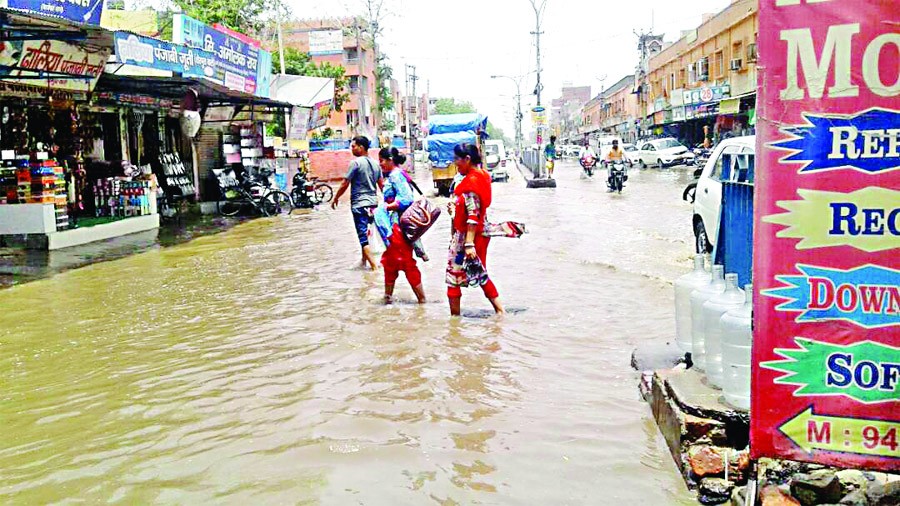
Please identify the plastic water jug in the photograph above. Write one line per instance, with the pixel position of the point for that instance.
(737, 341)
(715, 286)
(713, 309)
(683, 288)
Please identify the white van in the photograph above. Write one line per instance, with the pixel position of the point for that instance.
(495, 160)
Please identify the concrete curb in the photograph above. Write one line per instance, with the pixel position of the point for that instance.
(531, 182)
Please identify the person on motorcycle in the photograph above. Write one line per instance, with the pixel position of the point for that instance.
(588, 156)
(616, 155)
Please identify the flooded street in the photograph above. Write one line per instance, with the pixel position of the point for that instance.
(258, 366)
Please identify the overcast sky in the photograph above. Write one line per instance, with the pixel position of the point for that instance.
(457, 45)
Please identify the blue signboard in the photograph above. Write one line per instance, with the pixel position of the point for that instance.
(79, 11)
(162, 55)
(239, 63)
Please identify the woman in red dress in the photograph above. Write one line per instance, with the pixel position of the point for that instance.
(468, 243)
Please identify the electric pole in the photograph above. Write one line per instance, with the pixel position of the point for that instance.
(413, 78)
(539, 171)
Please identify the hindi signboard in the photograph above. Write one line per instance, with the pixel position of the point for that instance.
(86, 12)
(826, 348)
(156, 54)
(325, 42)
(239, 63)
(51, 63)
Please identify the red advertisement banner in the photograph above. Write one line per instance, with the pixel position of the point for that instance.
(826, 365)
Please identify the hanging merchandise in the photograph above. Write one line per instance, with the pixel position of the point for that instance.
(175, 181)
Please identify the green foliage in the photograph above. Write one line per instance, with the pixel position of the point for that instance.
(496, 133)
(298, 63)
(244, 16)
(451, 106)
(383, 74)
(388, 125)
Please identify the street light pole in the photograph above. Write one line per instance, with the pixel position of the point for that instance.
(538, 12)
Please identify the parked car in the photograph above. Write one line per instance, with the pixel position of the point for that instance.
(737, 155)
(495, 159)
(664, 153)
(630, 154)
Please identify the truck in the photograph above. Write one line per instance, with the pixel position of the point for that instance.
(445, 131)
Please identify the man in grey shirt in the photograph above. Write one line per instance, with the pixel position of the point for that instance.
(363, 178)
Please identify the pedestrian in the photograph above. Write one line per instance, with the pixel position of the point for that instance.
(550, 155)
(398, 255)
(363, 179)
(467, 260)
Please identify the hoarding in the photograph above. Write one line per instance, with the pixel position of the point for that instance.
(53, 64)
(86, 12)
(156, 54)
(325, 42)
(826, 350)
(240, 64)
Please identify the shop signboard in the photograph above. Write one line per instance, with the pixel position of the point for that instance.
(319, 114)
(706, 94)
(826, 345)
(299, 123)
(678, 114)
(539, 116)
(29, 61)
(156, 54)
(85, 12)
(326, 42)
(239, 63)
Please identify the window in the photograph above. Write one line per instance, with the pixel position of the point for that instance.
(726, 157)
(682, 77)
(354, 84)
(672, 84)
(692, 73)
(703, 69)
(720, 64)
(351, 54)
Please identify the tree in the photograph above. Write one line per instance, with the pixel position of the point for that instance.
(451, 106)
(298, 63)
(245, 16)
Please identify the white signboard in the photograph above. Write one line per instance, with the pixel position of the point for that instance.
(323, 42)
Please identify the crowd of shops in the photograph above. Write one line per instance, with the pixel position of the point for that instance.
(101, 130)
(705, 113)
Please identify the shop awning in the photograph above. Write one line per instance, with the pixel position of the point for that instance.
(302, 91)
(175, 88)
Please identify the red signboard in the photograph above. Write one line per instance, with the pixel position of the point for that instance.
(826, 366)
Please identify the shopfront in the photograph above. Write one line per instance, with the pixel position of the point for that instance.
(48, 135)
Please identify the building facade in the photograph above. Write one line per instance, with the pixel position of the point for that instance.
(705, 83)
(348, 49)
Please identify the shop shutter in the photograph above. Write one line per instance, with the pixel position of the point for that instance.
(209, 155)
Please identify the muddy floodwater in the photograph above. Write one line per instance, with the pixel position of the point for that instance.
(258, 366)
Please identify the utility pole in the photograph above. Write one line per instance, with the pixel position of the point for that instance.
(413, 78)
(287, 115)
(541, 179)
(406, 111)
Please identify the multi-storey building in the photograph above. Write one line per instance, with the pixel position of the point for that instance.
(707, 78)
(564, 109)
(342, 42)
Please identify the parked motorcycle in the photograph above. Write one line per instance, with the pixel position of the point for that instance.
(308, 193)
(701, 156)
(588, 164)
(690, 191)
(618, 176)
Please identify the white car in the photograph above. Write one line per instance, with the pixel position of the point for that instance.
(630, 154)
(737, 155)
(495, 159)
(664, 153)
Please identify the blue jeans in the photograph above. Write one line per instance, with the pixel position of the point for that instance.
(362, 218)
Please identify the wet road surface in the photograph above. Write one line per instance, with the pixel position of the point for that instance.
(258, 366)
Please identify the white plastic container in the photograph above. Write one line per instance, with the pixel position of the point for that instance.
(737, 342)
(699, 297)
(683, 288)
(713, 309)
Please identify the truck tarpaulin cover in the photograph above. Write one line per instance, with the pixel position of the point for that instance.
(440, 146)
(452, 123)
(826, 348)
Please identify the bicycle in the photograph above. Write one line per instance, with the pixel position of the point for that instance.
(251, 192)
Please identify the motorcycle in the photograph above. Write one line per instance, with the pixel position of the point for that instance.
(308, 193)
(618, 176)
(588, 164)
(701, 155)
